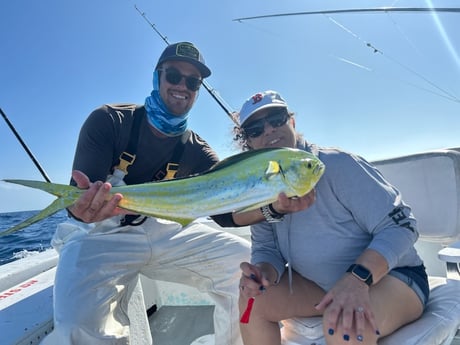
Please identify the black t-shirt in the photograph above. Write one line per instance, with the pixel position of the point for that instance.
(105, 135)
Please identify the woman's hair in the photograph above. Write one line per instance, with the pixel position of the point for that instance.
(240, 139)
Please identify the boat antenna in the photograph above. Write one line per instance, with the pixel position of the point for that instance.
(211, 91)
(37, 164)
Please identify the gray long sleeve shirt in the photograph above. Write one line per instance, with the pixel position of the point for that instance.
(355, 209)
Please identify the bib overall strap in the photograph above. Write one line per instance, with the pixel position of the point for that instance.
(128, 156)
(169, 170)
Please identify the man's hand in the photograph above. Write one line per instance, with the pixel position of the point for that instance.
(96, 203)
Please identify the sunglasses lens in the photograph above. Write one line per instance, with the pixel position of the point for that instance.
(275, 120)
(192, 83)
(254, 131)
(174, 77)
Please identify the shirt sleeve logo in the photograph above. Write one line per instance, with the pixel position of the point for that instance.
(399, 218)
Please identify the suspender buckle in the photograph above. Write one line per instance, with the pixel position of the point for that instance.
(126, 159)
(171, 170)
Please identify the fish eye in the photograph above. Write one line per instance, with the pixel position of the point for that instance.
(309, 165)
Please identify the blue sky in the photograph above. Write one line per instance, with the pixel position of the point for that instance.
(61, 59)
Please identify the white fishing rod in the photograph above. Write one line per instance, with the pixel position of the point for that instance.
(208, 88)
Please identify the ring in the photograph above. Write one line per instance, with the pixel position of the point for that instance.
(359, 309)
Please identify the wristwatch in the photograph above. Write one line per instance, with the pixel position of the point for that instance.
(270, 214)
(361, 272)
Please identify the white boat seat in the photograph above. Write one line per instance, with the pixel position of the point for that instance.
(430, 184)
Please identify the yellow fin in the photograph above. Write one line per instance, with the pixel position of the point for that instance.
(183, 221)
(252, 207)
(272, 169)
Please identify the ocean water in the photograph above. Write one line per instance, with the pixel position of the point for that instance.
(28, 241)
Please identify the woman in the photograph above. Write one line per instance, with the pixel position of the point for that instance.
(349, 257)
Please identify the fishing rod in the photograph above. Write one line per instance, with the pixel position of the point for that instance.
(37, 164)
(444, 93)
(357, 10)
(208, 88)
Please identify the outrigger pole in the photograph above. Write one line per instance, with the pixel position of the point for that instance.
(208, 88)
(37, 164)
(357, 10)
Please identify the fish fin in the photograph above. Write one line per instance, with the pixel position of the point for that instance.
(272, 169)
(52, 188)
(67, 195)
(54, 207)
(184, 221)
(238, 158)
(181, 221)
(254, 207)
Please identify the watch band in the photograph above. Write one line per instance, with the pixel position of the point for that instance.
(361, 272)
(269, 216)
(274, 212)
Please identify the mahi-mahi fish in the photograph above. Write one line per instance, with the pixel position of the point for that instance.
(239, 183)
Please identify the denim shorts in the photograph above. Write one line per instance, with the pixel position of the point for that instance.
(416, 278)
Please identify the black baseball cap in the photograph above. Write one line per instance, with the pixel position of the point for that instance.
(185, 51)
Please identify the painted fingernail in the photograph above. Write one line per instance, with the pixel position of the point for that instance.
(252, 276)
(359, 337)
(346, 337)
(262, 288)
(330, 331)
(377, 332)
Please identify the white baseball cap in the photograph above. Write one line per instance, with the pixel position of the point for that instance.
(261, 100)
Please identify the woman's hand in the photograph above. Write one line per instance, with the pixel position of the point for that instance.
(288, 205)
(96, 203)
(255, 279)
(348, 302)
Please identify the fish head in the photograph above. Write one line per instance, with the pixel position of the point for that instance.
(301, 171)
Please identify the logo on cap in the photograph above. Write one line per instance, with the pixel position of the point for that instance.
(187, 50)
(257, 98)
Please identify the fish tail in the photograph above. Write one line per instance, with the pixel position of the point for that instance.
(66, 194)
(52, 188)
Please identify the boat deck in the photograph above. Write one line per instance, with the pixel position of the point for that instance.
(182, 325)
(190, 325)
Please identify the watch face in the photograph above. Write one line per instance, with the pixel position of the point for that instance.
(361, 272)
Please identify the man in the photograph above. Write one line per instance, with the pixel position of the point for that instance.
(350, 256)
(103, 251)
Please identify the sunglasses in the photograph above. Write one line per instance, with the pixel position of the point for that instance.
(174, 77)
(275, 119)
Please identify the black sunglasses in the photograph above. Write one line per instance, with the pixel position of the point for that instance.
(173, 76)
(275, 119)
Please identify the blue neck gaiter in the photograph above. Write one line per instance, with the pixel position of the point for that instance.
(158, 114)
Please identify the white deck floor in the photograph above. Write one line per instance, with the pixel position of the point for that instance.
(181, 325)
